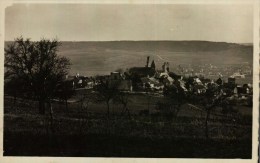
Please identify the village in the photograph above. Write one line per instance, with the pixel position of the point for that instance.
(152, 80)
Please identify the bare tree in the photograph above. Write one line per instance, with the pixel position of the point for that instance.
(38, 65)
(13, 87)
(176, 97)
(210, 100)
(106, 92)
(124, 99)
(84, 99)
(65, 91)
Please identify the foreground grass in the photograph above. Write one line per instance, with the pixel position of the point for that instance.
(81, 133)
(93, 145)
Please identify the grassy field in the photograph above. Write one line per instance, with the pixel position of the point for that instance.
(79, 132)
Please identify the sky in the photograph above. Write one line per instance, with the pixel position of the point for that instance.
(108, 22)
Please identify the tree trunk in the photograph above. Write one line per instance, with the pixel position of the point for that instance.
(108, 109)
(129, 114)
(177, 110)
(41, 107)
(206, 124)
(51, 116)
(148, 104)
(81, 104)
(123, 111)
(66, 101)
(14, 100)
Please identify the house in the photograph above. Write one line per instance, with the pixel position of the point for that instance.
(70, 81)
(195, 85)
(198, 89)
(197, 81)
(161, 74)
(229, 88)
(231, 80)
(175, 76)
(158, 86)
(205, 81)
(238, 90)
(89, 83)
(103, 78)
(219, 81)
(142, 71)
(248, 89)
(125, 85)
(77, 81)
(167, 80)
(116, 76)
(117, 81)
(150, 82)
(182, 85)
(238, 75)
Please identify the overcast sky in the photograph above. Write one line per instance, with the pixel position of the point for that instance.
(93, 22)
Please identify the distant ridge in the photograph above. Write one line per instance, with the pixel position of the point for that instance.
(161, 41)
(102, 57)
(154, 41)
(187, 46)
(165, 45)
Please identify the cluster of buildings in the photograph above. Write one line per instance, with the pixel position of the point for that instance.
(114, 79)
(150, 79)
(240, 71)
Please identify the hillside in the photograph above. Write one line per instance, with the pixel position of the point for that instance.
(177, 46)
(91, 58)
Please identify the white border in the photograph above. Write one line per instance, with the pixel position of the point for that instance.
(141, 1)
(5, 3)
